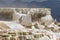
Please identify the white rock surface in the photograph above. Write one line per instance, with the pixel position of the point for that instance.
(23, 20)
(14, 26)
(26, 20)
(47, 19)
(44, 38)
(17, 16)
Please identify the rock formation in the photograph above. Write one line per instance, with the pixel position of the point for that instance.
(28, 24)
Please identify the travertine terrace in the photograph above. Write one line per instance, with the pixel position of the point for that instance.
(28, 24)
